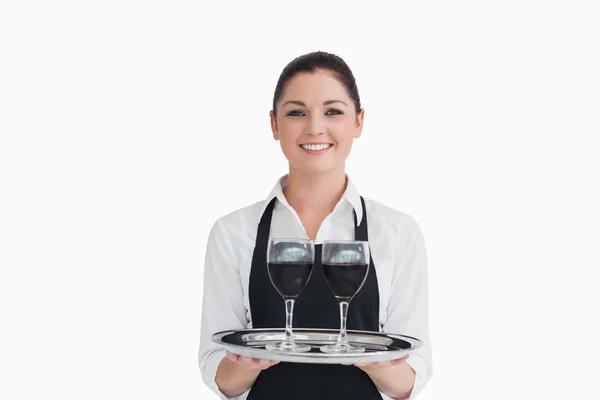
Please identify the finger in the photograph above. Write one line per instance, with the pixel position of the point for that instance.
(232, 357)
(400, 360)
(371, 364)
(247, 361)
(264, 364)
(374, 365)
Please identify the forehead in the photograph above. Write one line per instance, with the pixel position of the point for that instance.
(316, 86)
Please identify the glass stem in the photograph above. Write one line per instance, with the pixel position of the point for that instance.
(343, 339)
(289, 312)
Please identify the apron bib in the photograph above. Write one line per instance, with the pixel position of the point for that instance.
(316, 307)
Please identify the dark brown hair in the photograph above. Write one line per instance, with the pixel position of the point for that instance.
(310, 63)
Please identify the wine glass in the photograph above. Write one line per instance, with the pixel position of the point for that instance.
(290, 264)
(345, 267)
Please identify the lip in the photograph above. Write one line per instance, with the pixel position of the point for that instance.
(316, 152)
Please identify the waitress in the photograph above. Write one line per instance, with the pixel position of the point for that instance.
(316, 116)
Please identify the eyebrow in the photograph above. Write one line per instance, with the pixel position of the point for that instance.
(325, 103)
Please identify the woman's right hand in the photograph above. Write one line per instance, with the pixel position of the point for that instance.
(251, 363)
(236, 374)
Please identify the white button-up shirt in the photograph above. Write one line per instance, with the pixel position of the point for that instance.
(398, 252)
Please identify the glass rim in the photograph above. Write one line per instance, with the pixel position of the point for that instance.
(298, 240)
(345, 241)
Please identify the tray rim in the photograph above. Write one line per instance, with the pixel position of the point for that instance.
(318, 358)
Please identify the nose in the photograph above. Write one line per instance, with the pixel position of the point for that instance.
(315, 125)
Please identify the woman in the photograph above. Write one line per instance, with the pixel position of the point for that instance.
(316, 116)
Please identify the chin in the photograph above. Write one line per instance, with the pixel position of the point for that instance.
(318, 169)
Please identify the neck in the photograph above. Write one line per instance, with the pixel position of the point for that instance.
(318, 193)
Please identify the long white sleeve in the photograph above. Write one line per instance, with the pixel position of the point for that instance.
(222, 305)
(408, 309)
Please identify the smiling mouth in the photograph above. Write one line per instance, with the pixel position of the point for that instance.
(316, 147)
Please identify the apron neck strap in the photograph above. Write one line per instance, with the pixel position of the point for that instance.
(264, 226)
(361, 231)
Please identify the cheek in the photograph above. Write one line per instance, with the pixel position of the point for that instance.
(289, 131)
(342, 133)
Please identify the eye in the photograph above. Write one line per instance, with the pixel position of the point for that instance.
(295, 113)
(333, 111)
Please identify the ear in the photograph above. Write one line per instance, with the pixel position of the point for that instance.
(359, 123)
(274, 125)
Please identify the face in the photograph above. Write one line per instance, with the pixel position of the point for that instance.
(316, 123)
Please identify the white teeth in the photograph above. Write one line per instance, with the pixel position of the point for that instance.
(316, 147)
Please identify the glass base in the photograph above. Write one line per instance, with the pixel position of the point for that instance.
(341, 348)
(286, 347)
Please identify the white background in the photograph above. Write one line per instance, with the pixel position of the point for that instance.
(128, 127)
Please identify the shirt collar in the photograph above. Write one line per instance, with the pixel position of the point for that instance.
(350, 195)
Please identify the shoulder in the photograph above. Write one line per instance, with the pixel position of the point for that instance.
(397, 221)
(239, 225)
(248, 215)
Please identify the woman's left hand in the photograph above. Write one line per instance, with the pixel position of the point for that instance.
(395, 378)
(375, 366)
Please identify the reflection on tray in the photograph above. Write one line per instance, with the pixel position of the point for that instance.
(316, 344)
(375, 342)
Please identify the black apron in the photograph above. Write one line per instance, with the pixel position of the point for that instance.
(316, 307)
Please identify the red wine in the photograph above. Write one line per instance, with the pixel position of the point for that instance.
(289, 278)
(344, 280)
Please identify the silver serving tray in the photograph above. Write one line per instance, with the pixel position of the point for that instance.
(379, 346)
